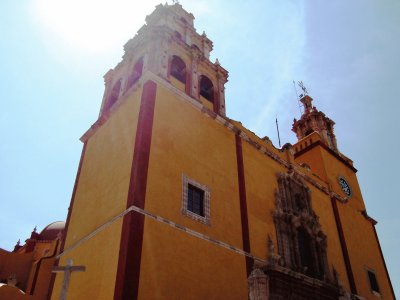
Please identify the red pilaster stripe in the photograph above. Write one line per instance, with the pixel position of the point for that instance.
(243, 203)
(128, 273)
(383, 260)
(71, 205)
(344, 247)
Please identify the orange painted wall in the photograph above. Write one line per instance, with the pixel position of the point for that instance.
(185, 141)
(261, 184)
(9, 292)
(359, 236)
(358, 232)
(363, 251)
(43, 278)
(196, 144)
(15, 263)
(101, 194)
(32, 269)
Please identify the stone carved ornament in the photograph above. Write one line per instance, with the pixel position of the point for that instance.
(301, 242)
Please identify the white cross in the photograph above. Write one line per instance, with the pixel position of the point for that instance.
(67, 270)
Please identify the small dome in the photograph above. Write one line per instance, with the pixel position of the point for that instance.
(51, 231)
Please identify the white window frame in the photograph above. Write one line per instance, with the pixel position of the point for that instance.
(206, 219)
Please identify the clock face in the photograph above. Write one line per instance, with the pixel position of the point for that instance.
(345, 186)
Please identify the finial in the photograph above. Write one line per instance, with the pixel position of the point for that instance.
(17, 246)
(34, 229)
(204, 34)
(217, 62)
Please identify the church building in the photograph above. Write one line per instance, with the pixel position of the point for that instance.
(26, 272)
(175, 200)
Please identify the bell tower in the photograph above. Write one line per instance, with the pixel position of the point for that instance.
(169, 46)
(314, 120)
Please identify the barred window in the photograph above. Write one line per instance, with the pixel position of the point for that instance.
(195, 200)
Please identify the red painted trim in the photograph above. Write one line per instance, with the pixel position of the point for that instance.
(243, 203)
(71, 205)
(128, 273)
(35, 277)
(344, 247)
(383, 260)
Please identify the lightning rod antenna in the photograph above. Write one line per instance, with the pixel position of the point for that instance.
(298, 97)
(277, 129)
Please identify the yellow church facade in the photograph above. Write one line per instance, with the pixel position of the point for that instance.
(174, 200)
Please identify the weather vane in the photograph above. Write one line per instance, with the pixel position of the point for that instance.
(301, 85)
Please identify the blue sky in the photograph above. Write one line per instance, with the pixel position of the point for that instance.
(54, 54)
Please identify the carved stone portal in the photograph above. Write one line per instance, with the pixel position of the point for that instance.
(299, 270)
(301, 242)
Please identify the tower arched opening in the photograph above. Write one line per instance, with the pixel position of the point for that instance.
(178, 69)
(206, 88)
(136, 73)
(113, 95)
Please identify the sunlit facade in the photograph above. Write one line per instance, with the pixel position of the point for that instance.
(175, 200)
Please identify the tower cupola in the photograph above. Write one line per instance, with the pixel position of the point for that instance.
(313, 120)
(169, 46)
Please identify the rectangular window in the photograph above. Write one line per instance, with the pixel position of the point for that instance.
(195, 200)
(373, 282)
